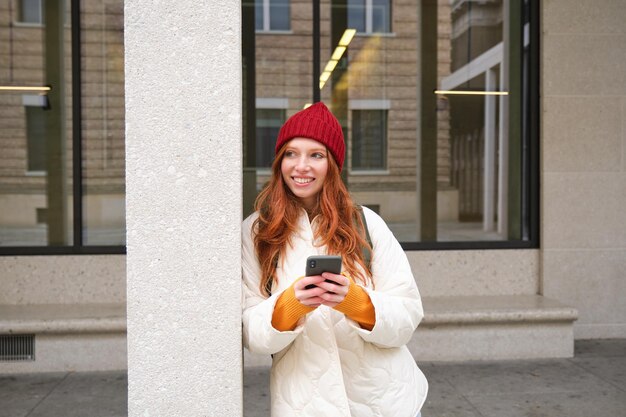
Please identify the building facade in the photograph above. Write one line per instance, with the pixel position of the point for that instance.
(182, 90)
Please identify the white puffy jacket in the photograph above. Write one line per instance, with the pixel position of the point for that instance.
(329, 365)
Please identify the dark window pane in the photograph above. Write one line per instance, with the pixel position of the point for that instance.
(356, 15)
(381, 16)
(36, 137)
(268, 123)
(30, 11)
(279, 14)
(369, 139)
(258, 14)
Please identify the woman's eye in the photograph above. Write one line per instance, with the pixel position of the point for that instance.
(290, 153)
(318, 155)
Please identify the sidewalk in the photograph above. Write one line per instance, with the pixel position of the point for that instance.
(593, 383)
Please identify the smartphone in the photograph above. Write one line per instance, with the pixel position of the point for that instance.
(317, 264)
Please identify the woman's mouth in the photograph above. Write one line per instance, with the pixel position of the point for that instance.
(299, 180)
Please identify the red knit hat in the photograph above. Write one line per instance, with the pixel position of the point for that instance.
(318, 123)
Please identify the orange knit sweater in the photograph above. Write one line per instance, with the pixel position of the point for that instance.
(357, 305)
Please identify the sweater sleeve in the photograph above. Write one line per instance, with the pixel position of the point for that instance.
(288, 311)
(358, 306)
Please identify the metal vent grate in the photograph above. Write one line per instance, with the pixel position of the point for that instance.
(16, 348)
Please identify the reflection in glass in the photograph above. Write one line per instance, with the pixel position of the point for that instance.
(381, 16)
(356, 15)
(277, 74)
(35, 130)
(436, 167)
(103, 123)
(270, 15)
(279, 14)
(268, 123)
(368, 16)
(36, 139)
(369, 139)
(31, 11)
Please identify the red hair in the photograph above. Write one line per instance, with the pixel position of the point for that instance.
(340, 227)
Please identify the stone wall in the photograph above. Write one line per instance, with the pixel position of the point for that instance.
(583, 143)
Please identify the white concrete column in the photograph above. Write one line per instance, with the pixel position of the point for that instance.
(183, 176)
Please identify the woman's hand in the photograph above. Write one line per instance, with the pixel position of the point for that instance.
(327, 289)
(335, 288)
(309, 296)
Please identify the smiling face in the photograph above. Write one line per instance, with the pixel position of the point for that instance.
(304, 168)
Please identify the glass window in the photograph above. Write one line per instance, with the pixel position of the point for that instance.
(369, 139)
(103, 154)
(30, 11)
(381, 15)
(35, 128)
(258, 14)
(268, 123)
(272, 15)
(62, 176)
(447, 159)
(36, 139)
(279, 15)
(277, 73)
(356, 15)
(369, 16)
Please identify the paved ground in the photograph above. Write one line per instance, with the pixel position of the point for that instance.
(593, 383)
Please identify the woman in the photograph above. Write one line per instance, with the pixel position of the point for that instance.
(338, 341)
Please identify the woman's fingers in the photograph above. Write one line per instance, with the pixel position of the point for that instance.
(336, 288)
(307, 283)
(307, 291)
(336, 284)
(327, 289)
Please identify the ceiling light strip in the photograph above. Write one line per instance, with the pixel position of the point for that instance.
(42, 89)
(472, 93)
(345, 40)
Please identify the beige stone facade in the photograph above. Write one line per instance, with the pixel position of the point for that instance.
(583, 142)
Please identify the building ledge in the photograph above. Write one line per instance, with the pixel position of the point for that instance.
(494, 309)
(62, 318)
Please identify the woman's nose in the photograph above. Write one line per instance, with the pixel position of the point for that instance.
(302, 163)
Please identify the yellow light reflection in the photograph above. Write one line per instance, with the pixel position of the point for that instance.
(345, 40)
(330, 66)
(338, 53)
(347, 36)
(43, 89)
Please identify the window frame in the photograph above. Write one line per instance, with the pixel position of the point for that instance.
(370, 105)
(20, 15)
(77, 247)
(530, 137)
(528, 133)
(263, 103)
(369, 19)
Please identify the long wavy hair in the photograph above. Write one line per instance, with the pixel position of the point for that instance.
(339, 227)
